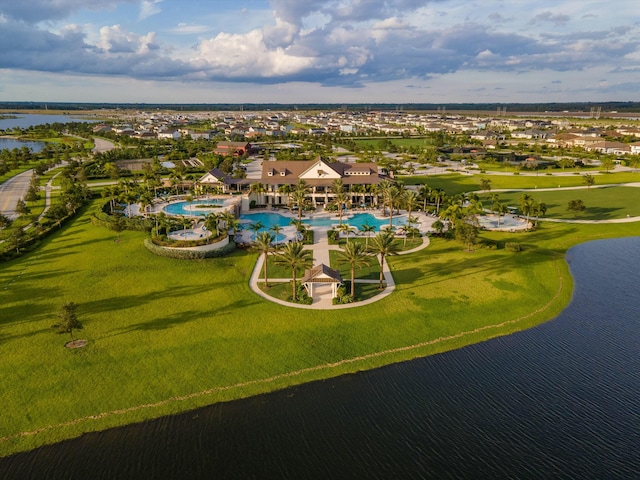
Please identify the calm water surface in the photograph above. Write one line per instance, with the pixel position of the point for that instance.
(10, 144)
(26, 120)
(561, 400)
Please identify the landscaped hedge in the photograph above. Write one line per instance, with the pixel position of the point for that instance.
(104, 219)
(184, 254)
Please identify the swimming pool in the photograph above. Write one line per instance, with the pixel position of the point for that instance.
(183, 208)
(356, 220)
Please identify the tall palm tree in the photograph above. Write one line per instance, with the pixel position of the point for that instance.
(299, 198)
(383, 191)
(356, 256)
(262, 245)
(424, 192)
(255, 227)
(258, 189)
(276, 231)
(410, 202)
(346, 229)
(383, 245)
(341, 199)
(301, 227)
(439, 197)
(394, 197)
(367, 229)
(294, 256)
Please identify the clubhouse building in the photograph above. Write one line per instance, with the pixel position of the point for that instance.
(279, 178)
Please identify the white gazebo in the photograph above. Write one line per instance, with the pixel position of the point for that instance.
(322, 274)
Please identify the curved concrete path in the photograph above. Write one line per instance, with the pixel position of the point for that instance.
(322, 299)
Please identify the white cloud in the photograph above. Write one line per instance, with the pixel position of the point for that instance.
(149, 8)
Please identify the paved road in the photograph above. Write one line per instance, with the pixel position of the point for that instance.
(11, 191)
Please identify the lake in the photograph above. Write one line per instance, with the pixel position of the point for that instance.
(561, 400)
(10, 144)
(26, 120)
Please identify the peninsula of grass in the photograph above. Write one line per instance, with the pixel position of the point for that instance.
(165, 336)
(601, 203)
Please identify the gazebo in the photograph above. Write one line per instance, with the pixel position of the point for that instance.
(322, 274)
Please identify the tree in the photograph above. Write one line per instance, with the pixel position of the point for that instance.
(500, 209)
(438, 226)
(68, 319)
(301, 227)
(383, 245)
(588, 179)
(367, 230)
(466, 232)
(262, 245)
(410, 202)
(341, 199)
(346, 229)
(576, 206)
(294, 256)
(485, 184)
(22, 208)
(355, 255)
(566, 163)
(607, 162)
(276, 231)
(439, 197)
(5, 222)
(259, 190)
(118, 225)
(424, 191)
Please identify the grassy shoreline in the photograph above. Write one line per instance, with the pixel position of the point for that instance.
(167, 336)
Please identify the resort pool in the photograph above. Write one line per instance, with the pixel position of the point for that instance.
(271, 219)
(279, 238)
(197, 207)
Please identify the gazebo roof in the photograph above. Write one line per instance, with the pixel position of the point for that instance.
(322, 274)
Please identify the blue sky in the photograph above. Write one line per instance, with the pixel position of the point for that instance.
(319, 51)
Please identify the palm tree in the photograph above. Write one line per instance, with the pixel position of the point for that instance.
(500, 209)
(341, 199)
(394, 197)
(424, 192)
(526, 204)
(383, 245)
(294, 255)
(356, 256)
(411, 202)
(383, 191)
(258, 189)
(262, 245)
(439, 197)
(276, 231)
(346, 229)
(299, 198)
(255, 227)
(301, 227)
(367, 229)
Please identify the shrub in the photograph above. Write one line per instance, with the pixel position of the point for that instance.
(512, 247)
(184, 254)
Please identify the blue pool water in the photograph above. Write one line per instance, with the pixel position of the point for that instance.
(270, 219)
(279, 238)
(182, 208)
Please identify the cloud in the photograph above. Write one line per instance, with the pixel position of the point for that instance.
(189, 29)
(149, 8)
(34, 11)
(549, 17)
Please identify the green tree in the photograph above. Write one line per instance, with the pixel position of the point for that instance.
(383, 244)
(5, 222)
(262, 245)
(588, 179)
(485, 184)
(576, 206)
(466, 232)
(367, 230)
(22, 208)
(68, 319)
(355, 255)
(346, 229)
(294, 256)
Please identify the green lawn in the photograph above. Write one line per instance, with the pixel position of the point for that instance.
(455, 183)
(601, 203)
(168, 335)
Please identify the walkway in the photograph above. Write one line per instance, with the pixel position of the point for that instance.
(322, 299)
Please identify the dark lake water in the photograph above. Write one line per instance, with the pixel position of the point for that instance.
(10, 144)
(561, 400)
(26, 120)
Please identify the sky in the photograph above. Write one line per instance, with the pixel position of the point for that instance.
(319, 51)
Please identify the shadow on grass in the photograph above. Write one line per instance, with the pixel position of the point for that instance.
(180, 318)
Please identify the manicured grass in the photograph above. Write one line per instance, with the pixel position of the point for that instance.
(601, 203)
(165, 335)
(455, 183)
(371, 272)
